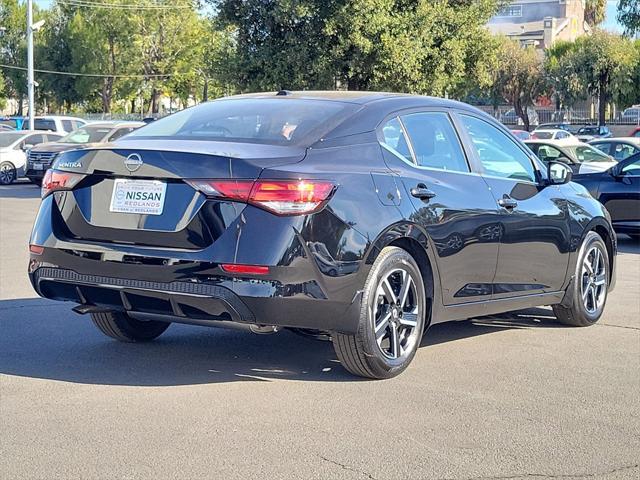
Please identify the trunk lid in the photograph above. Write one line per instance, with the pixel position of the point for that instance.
(186, 218)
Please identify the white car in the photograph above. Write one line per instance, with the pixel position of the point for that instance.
(13, 148)
(56, 124)
(581, 157)
(550, 134)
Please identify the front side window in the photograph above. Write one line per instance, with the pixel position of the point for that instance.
(603, 147)
(67, 125)
(395, 140)
(499, 155)
(623, 151)
(632, 168)
(34, 139)
(435, 142)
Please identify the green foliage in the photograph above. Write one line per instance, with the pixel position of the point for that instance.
(412, 45)
(601, 65)
(629, 16)
(519, 77)
(595, 11)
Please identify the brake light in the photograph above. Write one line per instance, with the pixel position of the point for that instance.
(55, 180)
(36, 249)
(245, 269)
(282, 197)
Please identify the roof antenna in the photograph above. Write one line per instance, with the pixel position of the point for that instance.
(283, 93)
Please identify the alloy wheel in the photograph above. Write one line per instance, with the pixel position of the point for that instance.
(396, 314)
(7, 174)
(594, 280)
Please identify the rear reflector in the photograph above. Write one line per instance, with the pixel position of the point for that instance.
(55, 180)
(282, 197)
(36, 249)
(246, 269)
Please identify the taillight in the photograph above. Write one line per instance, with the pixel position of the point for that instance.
(55, 180)
(282, 197)
(245, 269)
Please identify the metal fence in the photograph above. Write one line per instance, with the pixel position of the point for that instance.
(578, 117)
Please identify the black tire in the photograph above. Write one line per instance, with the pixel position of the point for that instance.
(123, 328)
(582, 312)
(8, 173)
(361, 353)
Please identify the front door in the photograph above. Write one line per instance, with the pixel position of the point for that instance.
(534, 247)
(453, 205)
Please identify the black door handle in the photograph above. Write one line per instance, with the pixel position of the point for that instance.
(422, 192)
(508, 203)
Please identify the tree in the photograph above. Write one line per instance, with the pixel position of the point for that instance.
(3, 99)
(405, 45)
(169, 41)
(561, 75)
(595, 11)
(629, 16)
(604, 63)
(519, 78)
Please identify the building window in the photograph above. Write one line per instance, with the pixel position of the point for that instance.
(510, 11)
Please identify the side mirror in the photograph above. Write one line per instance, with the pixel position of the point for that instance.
(558, 173)
(27, 146)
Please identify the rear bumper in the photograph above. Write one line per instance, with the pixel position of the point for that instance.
(198, 299)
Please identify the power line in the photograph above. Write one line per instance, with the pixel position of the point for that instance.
(121, 6)
(95, 75)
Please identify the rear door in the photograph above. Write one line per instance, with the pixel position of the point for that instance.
(450, 202)
(534, 248)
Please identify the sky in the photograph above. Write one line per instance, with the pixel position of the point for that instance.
(610, 22)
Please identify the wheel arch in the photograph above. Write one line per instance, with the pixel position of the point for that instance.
(416, 241)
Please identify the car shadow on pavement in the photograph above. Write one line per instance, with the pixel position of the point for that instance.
(44, 339)
(628, 245)
(20, 190)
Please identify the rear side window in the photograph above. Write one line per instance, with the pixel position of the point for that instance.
(395, 140)
(500, 155)
(604, 147)
(622, 151)
(119, 133)
(434, 141)
(276, 121)
(43, 124)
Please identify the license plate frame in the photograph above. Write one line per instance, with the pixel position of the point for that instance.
(138, 197)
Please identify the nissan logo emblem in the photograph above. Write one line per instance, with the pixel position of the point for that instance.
(133, 162)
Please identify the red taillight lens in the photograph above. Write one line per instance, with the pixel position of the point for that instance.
(245, 269)
(58, 180)
(282, 197)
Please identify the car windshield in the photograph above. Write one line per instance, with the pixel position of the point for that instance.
(587, 154)
(544, 135)
(589, 130)
(8, 138)
(86, 135)
(268, 121)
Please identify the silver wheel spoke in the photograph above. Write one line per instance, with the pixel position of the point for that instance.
(404, 291)
(381, 326)
(601, 279)
(387, 291)
(585, 292)
(409, 319)
(587, 265)
(394, 339)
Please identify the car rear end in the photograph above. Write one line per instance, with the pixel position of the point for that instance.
(185, 229)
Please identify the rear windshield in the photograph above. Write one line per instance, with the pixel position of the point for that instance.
(276, 121)
(544, 135)
(86, 135)
(42, 124)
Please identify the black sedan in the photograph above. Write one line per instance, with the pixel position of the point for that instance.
(363, 217)
(619, 191)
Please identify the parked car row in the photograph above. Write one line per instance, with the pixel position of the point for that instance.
(30, 152)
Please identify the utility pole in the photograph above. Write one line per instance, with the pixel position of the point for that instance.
(30, 79)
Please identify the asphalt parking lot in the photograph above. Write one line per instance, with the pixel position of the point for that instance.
(507, 397)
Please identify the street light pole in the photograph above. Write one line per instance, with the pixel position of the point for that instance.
(30, 79)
